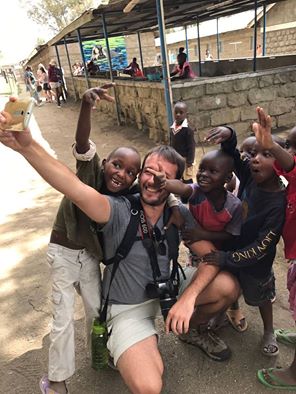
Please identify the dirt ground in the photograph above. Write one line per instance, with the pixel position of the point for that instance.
(28, 207)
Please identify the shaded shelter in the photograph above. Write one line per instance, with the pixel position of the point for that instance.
(146, 16)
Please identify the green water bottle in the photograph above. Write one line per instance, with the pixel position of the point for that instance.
(99, 351)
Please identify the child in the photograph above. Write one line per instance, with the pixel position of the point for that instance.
(182, 139)
(291, 141)
(74, 251)
(285, 166)
(218, 214)
(251, 256)
(183, 69)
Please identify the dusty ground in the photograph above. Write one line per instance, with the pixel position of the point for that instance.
(28, 207)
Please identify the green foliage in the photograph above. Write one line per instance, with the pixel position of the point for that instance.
(56, 14)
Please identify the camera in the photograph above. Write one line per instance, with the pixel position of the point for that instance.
(166, 291)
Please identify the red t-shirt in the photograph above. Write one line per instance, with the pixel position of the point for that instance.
(290, 222)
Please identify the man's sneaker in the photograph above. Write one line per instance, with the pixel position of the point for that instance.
(208, 342)
(44, 386)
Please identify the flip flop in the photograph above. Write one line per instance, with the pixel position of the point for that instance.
(266, 377)
(237, 320)
(269, 345)
(286, 336)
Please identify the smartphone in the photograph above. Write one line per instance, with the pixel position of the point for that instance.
(18, 114)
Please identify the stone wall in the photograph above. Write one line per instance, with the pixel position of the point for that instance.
(233, 99)
(211, 102)
(281, 41)
(141, 104)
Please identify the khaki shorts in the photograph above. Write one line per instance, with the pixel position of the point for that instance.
(130, 324)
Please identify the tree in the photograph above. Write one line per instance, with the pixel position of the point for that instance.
(56, 14)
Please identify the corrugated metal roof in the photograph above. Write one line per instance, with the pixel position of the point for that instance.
(143, 17)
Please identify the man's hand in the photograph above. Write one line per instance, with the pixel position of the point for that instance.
(262, 129)
(218, 135)
(91, 96)
(179, 315)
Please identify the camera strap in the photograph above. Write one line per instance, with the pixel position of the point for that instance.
(148, 236)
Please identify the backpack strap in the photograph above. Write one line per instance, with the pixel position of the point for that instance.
(124, 247)
(130, 234)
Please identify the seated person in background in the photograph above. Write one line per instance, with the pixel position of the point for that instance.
(92, 68)
(133, 69)
(208, 55)
(183, 69)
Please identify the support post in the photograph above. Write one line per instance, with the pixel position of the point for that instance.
(83, 59)
(140, 50)
(70, 68)
(110, 66)
(217, 36)
(165, 65)
(186, 43)
(255, 38)
(198, 46)
(264, 31)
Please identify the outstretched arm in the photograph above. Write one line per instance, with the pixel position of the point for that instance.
(262, 130)
(94, 204)
(89, 99)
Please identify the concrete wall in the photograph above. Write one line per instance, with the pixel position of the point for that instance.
(148, 48)
(233, 99)
(281, 12)
(211, 102)
(234, 44)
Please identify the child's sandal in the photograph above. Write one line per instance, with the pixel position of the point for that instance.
(269, 345)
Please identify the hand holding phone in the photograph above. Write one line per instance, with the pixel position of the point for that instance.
(18, 114)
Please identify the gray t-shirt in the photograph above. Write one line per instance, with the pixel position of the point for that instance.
(134, 272)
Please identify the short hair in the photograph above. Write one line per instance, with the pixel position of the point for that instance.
(220, 154)
(169, 154)
(134, 59)
(182, 104)
(112, 153)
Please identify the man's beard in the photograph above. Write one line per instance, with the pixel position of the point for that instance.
(154, 203)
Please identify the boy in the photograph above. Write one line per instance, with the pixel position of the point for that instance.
(218, 214)
(74, 251)
(182, 139)
(252, 255)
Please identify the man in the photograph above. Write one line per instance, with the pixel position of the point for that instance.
(134, 346)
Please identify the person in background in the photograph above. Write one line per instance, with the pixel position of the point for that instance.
(182, 139)
(208, 55)
(43, 81)
(133, 69)
(54, 80)
(31, 85)
(92, 68)
(183, 69)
